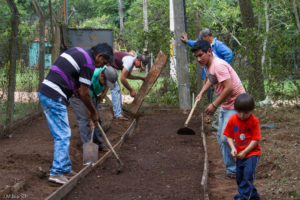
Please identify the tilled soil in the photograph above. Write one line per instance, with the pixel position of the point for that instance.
(277, 173)
(163, 175)
(26, 157)
(159, 164)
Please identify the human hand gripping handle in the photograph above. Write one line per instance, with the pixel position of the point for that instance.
(191, 113)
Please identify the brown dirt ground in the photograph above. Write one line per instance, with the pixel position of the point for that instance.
(278, 174)
(159, 164)
(27, 155)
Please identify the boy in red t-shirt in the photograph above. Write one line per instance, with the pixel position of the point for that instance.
(243, 135)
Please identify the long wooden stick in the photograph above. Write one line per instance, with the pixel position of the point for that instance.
(191, 113)
(109, 145)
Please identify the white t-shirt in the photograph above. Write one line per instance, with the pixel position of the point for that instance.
(128, 62)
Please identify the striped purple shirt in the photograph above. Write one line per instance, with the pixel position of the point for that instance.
(72, 68)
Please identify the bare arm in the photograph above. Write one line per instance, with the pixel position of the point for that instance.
(228, 88)
(231, 144)
(124, 76)
(84, 95)
(103, 94)
(124, 81)
(249, 148)
(203, 90)
(132, 77)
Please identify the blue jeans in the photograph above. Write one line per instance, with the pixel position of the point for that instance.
(57, 118)
(229, 161)
(245, 174)
(83, 120)
(116, 99)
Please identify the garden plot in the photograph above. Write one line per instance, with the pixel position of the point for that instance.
(159, 164)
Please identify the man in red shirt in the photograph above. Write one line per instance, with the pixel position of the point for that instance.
(243, 135)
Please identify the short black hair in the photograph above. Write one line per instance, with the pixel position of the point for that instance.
(105, 49)
(244, 103)
(201, 44)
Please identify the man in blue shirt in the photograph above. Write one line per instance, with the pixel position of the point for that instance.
(218, 48)
(70, 74)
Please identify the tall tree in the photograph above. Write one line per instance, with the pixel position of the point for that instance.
(146, 29)
(266, 36)
(13, 52)
(296, 13)
(121, 23)
(255, 78)
(55, 32)
(39, 11)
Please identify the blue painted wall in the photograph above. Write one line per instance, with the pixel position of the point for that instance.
(34, 52)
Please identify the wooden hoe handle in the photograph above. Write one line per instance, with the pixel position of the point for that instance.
(191, 113)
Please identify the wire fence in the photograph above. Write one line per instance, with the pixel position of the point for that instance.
(25, 99)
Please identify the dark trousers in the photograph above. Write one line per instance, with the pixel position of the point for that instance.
(245, 174)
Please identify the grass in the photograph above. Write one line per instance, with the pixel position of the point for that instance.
(135, 84)
(27, 80)
(21, 109)
(280, 89)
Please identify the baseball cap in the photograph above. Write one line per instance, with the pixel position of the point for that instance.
(144, 59)
(111, 76)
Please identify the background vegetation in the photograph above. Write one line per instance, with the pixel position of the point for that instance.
(277, 33)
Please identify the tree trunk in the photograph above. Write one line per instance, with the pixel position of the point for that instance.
(146, 29)
(39, 11)
(198, 66)
(55, 35)
(13, 52)
(266, 36)
(181, 57)
(121, 23)
(255, 78)
(145, 16)
(295, 9)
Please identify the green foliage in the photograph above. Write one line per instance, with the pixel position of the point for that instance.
(97, 22)
(21, 109)
(282, 56)
(158, 36)
(164, 91)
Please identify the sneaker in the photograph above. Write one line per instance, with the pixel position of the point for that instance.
(58, 179)
(122, 118)
(103, 148)
(70, 174)
(231, 176)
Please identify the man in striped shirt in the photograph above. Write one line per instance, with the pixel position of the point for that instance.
(70, 74)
